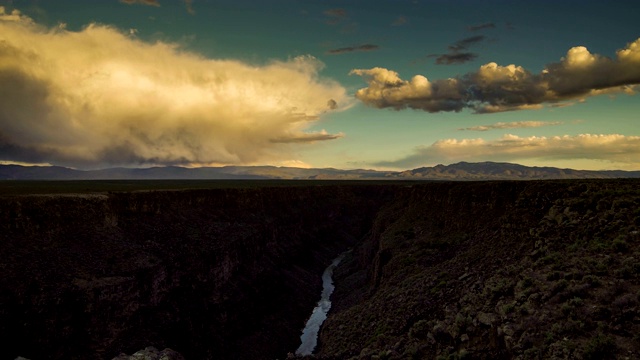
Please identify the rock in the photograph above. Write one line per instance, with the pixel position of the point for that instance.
(151, 353)
(486, 318)
(508, 330)
(508, 342)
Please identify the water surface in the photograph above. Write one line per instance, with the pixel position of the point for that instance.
(309, 337)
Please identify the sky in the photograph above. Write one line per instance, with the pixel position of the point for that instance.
(348, 84)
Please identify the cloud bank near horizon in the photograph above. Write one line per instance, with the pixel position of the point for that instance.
(512, 125)
(609, 148)
(495, 88)
(99, 97)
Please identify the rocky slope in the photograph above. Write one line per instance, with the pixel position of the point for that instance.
(533, 270)
(538, 269)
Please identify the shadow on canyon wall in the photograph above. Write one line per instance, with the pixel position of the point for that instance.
(477, 270)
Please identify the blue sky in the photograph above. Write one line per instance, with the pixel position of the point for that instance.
(344, 84)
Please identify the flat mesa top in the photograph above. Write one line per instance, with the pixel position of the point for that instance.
(9, 188)
(42, 187)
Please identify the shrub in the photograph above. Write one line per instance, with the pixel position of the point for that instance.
(592, 280)
(620, 245)
(419, 330)
(600, 347)
(559, 286)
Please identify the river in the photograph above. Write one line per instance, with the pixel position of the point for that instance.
(309, 337)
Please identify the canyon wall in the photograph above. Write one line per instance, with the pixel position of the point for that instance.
(494, 270)
(226, 273)
(444, 269)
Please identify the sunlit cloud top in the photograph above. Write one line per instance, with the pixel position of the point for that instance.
(496, 88)
(100, 97)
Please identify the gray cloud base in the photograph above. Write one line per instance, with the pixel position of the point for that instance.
(99, 97)
(494, 88)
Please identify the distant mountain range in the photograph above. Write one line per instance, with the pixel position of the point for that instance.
(458, 171)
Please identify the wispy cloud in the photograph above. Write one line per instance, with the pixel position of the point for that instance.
(141, 2)
(336, 12)
(611, 148)
(189, 5)
(488, 25)
(494, 88)
(364, 47)
(98, 97)
(399, 21)
(339, 17)
(454, 58)
(512, 125)
(335, 16)
(308, 137)
(466, 42)
(456, 54)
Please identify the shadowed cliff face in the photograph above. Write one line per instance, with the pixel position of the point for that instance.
(480, 269)
(210, 273)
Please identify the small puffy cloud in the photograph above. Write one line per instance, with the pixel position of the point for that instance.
(488, 25)
(364, 47)
(494, 88)
(14, 16)
(142, 2)
(99, 97)
(387, 89)
(612, 148)
(513, 125)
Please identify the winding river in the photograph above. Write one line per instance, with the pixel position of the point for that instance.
(309, 337)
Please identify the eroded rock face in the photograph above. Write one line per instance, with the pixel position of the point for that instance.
(151, 353)
(482, 270)
(227, 273)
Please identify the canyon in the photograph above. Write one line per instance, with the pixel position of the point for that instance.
(499, 269)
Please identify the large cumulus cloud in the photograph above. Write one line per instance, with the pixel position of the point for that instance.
(495, 88)
(98, 97)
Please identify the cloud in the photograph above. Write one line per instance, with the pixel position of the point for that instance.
(495, 88)
(99, 97)
(364, 47)
(612, 148)
(335, 16)
(336, 13)
(399, 21)
(142, 2)
(488, 25)
(189, 5)
(466, 42)
(455, 58)
(340, 17)
(14, 16)
(513, 125)
(309, 137)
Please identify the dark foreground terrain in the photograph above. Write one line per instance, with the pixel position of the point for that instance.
(487, 270)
